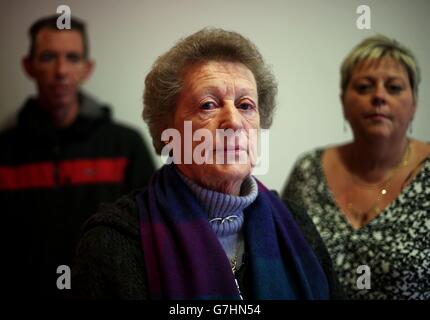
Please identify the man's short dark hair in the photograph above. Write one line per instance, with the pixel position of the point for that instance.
(51, 23)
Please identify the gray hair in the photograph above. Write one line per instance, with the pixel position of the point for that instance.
(378, 47)
(164, 82)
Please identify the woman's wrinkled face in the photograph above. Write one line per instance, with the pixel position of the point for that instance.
(217, 96)
(379, 102)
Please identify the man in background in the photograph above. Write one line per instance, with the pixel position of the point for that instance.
(62, 159)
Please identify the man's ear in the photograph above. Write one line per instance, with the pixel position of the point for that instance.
(88, 69)
(27, 64)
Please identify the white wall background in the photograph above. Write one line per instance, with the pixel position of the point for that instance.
(304, 41)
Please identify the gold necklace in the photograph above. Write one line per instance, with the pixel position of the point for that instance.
(383, 189)
(235, 266)
(234, 261)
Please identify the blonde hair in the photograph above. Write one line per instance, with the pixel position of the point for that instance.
(378, 47)
(164, 82)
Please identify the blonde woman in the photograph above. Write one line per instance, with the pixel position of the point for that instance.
(370, 198)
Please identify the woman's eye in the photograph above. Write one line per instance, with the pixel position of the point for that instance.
(363, 88)
(208, 105)
(394, 89)
(245, 106)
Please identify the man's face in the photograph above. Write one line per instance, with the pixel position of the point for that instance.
(58, 67)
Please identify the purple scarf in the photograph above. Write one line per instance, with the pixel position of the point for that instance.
(184, 259)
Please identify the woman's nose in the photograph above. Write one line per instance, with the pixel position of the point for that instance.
(230, 117)
(379, 96)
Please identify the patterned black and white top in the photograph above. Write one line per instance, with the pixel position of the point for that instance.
(395, 245)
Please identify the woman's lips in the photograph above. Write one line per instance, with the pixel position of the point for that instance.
(377, 116)
(231, 151)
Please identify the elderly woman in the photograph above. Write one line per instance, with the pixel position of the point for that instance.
(370, 198)
(204, 230)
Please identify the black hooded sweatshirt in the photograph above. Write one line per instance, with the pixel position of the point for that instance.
(51, 181)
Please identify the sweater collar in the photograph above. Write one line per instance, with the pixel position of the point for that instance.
(225, 211)
(221, 205)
